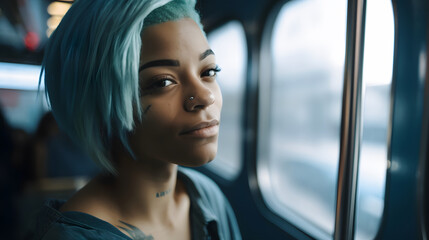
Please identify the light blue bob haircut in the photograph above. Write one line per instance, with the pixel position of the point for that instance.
(90, 68)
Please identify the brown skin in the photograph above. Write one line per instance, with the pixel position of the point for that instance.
(157, 141)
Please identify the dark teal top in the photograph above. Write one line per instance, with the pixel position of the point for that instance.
(211, 216)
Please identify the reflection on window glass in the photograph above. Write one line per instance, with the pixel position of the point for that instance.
(299, 140)
(229, 44)
(377, 75)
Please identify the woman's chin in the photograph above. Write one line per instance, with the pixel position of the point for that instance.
(197, 161)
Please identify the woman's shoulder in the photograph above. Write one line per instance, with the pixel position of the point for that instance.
(58, 230)
(53, 224)
(66, 231)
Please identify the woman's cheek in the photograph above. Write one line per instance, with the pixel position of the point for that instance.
(159, 114)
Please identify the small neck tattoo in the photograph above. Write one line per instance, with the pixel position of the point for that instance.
(162, 194)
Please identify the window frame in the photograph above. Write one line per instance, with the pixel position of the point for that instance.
(351, 123)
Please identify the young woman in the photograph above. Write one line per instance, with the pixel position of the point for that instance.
(134, 83)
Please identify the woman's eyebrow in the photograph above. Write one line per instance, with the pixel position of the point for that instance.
(171, 62)
(206, 53)
(158, 63)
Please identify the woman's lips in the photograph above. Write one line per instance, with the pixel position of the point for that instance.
(202, 130)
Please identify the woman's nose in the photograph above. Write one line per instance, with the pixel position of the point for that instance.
(200, 99)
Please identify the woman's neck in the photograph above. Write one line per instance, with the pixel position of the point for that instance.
(150, 198)
(141, 194)
(147, 191)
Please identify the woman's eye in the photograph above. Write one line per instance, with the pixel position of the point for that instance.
(212, 72)
(161, 83)
(156, 86)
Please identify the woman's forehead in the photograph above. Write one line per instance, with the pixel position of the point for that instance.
(173, 39)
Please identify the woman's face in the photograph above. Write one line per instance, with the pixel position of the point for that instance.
(180, 98)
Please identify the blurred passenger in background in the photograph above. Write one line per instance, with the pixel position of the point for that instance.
(55, 155)
(41, 166)
(9, 180)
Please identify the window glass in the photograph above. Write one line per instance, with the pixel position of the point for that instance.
(22, 108)
(19, 100)
(377, 77)
(19, 76)
(229, 45)
(300, 114)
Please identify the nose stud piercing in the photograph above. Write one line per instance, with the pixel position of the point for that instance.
(212, 97)
(191, 98)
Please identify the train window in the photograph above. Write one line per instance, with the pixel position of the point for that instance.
(229, 44)
(377, 75)
(19, 76)
(300, 113)
(19, 99)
